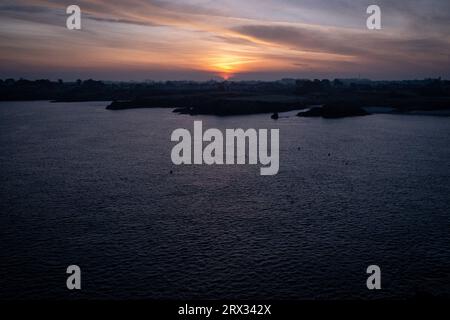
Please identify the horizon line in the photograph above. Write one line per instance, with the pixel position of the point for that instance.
(223, 80)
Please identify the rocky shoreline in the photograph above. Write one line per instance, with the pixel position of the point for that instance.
(338, 98)
(215, 104)
(334, 111)
(330, 107)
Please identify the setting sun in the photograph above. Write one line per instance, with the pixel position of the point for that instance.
(226, 65)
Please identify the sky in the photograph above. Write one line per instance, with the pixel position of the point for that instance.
(224, 39)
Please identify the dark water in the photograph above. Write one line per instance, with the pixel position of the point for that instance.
(83, 185)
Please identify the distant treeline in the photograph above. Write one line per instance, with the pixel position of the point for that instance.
(91, 90)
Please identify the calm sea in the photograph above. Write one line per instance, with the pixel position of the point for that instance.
(87, 186)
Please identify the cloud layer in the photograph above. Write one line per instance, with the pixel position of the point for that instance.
(253, 39)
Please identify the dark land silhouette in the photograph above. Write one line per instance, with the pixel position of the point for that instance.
(339, 98)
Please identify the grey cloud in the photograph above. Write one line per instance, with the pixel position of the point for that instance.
(343, 41)
(300, 38)
(125, 21)
(23, 9)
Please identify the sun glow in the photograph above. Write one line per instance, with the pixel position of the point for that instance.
(226, 66)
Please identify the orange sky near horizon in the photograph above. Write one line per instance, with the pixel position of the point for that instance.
(197, 40)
